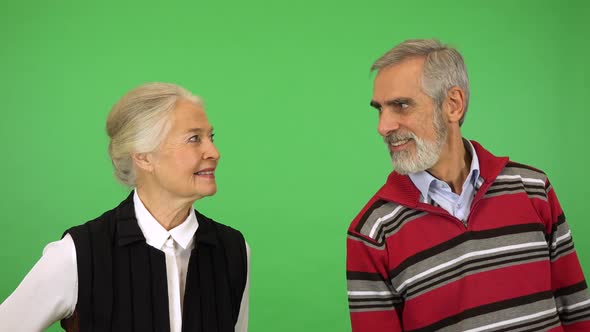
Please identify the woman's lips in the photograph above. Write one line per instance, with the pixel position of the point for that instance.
(207, 172)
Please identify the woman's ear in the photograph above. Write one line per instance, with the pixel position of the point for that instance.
(454, 105)
(143, 161)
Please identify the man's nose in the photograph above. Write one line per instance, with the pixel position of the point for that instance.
(388, 123)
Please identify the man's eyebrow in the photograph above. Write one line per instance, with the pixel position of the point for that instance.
(399, 101)
(393, 102)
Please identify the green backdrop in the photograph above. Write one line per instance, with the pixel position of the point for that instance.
(287, 87)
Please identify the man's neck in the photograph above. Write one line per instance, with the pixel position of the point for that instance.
(454, 163)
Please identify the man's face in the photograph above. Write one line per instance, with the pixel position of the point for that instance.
(413, 127)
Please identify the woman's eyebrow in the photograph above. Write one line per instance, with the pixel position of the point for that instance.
(200, 130)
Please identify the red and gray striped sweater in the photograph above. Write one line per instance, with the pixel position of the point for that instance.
(412, 266)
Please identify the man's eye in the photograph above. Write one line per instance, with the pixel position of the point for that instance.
(402, 105)
(212, 137)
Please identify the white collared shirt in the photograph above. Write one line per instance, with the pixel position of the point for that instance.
(434, 190)
(49, 292)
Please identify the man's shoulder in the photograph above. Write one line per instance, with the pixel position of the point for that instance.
(505, 168)
(518, 170)
(380, 217)
(519, 178)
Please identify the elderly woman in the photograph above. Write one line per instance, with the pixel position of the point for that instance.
(153, 263)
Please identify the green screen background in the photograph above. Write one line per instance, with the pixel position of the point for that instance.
(287, 87)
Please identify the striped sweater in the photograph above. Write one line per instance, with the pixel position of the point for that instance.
(412, 266)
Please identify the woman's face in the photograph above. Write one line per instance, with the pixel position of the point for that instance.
(184, 164)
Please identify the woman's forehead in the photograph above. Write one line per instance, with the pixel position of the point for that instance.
(188, 115)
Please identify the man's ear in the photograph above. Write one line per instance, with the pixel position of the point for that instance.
(454, 105)
(143, 161)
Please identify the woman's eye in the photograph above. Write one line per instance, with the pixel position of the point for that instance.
(212, 137)
(195, 138)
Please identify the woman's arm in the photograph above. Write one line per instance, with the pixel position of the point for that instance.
(242, 323)
(47, 294)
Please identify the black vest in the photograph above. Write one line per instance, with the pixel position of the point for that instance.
(122, 283)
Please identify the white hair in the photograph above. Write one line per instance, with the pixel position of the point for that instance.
(138, 123)
(443, 69)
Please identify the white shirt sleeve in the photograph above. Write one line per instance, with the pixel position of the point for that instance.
(242, 323)
(47, 294)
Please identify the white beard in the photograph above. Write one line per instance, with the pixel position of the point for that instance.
(427, 152)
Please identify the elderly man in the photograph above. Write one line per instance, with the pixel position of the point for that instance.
(457, 239)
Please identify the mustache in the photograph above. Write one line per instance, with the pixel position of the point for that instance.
(398, 136)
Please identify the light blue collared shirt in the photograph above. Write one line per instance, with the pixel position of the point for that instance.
(436, 192)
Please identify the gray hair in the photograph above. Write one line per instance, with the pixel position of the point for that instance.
(443, 69)
(138, 123)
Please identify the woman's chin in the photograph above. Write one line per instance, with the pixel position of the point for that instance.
(202, 192)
